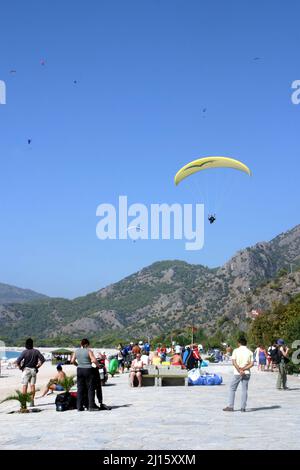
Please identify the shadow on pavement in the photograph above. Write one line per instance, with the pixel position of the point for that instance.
(290, 388)
(121, 406)
(261, 408)
(46, 404)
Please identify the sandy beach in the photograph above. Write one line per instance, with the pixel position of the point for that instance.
(162, 417)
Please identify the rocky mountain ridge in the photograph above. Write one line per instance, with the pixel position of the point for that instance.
(168, 295)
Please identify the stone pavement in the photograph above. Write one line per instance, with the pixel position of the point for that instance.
(166, 418)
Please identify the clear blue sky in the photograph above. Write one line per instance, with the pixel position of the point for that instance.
(144, 70)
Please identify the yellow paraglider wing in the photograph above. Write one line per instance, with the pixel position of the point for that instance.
(210, 162)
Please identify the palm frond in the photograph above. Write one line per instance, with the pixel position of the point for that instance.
(68, 382)
(22, 398)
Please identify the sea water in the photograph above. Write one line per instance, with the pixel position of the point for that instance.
(9, 355)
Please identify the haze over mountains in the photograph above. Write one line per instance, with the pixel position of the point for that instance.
(164, 296)
(10, 294)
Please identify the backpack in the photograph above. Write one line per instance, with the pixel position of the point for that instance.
(275, 356)
(65, 401)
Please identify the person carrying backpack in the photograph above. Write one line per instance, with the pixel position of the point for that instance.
(280, 357)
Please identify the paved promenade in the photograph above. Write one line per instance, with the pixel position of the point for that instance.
(163, 418)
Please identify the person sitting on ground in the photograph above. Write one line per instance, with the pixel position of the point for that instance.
(155, 360)
(136, 370)
(55, 384)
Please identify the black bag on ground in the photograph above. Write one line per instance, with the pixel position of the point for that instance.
(65, 401)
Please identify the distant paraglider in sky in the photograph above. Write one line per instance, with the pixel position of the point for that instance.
(136, 228)
(42, 62)
(28, 141)
(212, 218)
(208, 163)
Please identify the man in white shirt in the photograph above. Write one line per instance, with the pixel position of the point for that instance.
(242, 360)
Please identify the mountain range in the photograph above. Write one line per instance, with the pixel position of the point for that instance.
(164, 296)
(10, 294)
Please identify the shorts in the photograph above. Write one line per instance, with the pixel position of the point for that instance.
(59, 388)
(29, 376)
(121, 362)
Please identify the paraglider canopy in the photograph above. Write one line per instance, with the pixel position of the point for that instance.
(207, 163)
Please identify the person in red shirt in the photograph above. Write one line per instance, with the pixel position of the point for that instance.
(136, 349)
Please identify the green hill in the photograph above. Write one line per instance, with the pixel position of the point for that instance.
(164, 296)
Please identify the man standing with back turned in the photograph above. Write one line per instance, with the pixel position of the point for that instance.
(29, 362)
(242, 360)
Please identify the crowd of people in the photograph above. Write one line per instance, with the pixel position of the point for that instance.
(186, 356)
(266, 358)
(135, 357)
